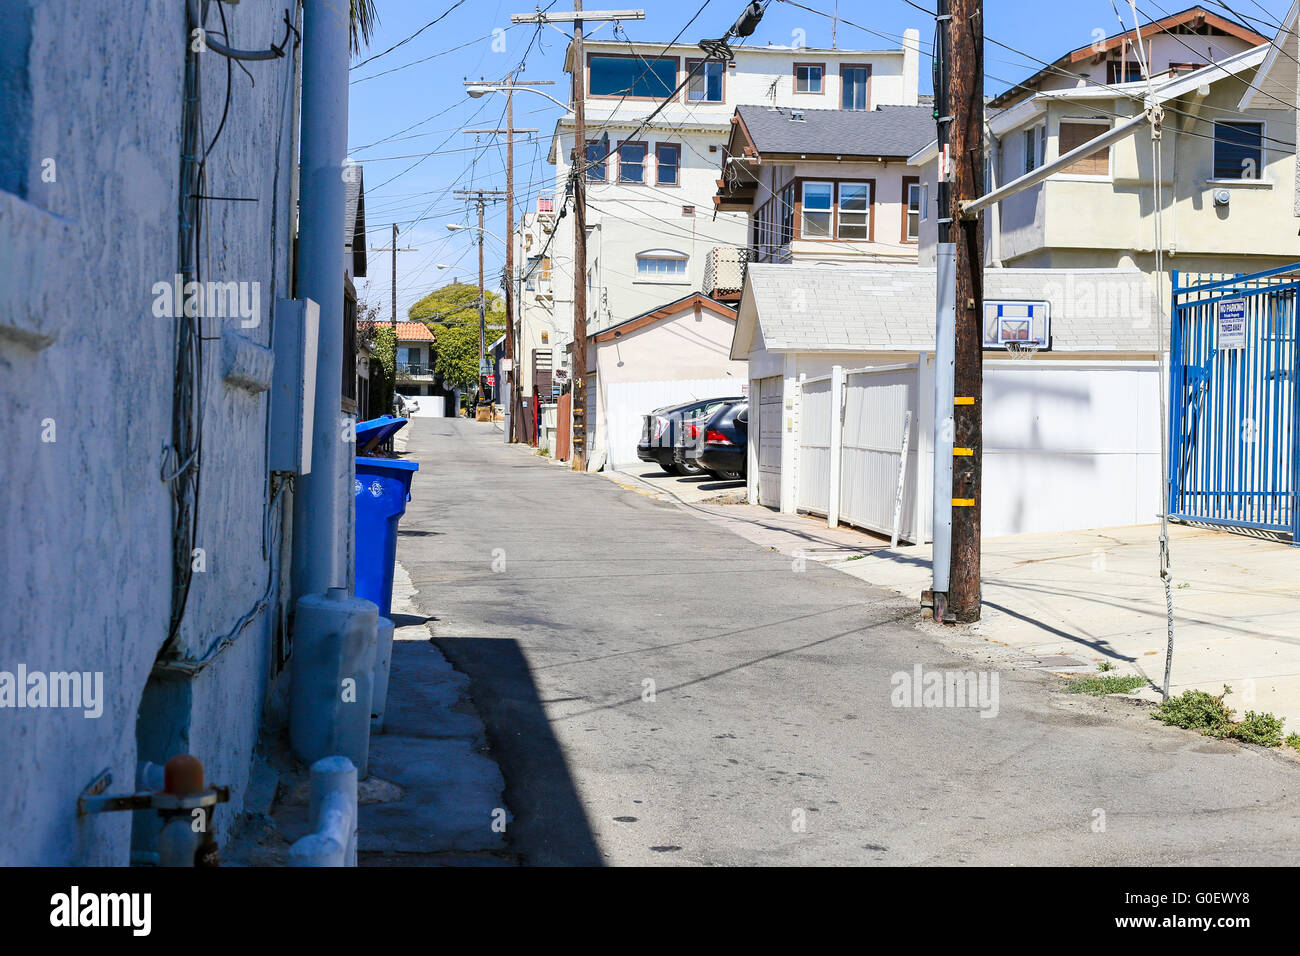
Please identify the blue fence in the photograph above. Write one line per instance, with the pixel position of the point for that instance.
(1234, 443)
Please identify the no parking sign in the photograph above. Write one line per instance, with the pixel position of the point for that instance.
(1231, 314)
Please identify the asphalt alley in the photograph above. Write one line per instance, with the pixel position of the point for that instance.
(658, 690)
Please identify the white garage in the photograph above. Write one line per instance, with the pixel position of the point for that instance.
(1071, 432)
(674, 354)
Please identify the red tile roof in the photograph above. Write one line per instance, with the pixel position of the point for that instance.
(413, 332)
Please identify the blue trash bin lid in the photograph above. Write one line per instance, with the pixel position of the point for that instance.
(377, 431)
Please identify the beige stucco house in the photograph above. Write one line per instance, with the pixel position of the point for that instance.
(1224, 166)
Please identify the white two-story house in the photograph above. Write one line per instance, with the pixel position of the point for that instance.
(654, 233)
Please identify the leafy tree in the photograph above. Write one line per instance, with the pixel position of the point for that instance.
(456, 303)
(456, 357)
(451, 313)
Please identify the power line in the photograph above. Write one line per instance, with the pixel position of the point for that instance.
(408, 39)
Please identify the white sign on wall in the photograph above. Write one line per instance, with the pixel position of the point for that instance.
(1231, 314)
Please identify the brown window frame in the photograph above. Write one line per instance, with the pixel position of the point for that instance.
(677, 146)
(677, 70)
(687, 65)
(797, 224)
(795, 75)
(856, 66)
(645, 162)
(908, 183)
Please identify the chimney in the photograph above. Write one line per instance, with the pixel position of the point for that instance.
(911, 67)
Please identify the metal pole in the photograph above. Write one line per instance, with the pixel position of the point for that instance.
(578, 393)
(967, 149)
(323, 498)
(394, 275)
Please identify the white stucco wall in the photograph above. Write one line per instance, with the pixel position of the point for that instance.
(87, 559)
(671, 359)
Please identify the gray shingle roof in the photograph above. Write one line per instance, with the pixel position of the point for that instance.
(884, 131)
(846, 308)
(354, 219)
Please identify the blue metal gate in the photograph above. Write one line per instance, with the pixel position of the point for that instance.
(1234, 442)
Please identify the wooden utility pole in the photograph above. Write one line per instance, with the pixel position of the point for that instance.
(578, 390)
(510, 383)
(966, 102)
(394, 250)
(480, 198)
(512, 374)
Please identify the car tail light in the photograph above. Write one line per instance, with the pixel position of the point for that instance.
(716, 438)
(694, 431)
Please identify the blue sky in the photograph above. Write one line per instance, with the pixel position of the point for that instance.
(421, 107)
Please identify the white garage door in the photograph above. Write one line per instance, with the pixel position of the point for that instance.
(627, 402)
(770, 422)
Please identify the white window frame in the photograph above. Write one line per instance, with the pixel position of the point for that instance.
(829, 210)
(838, 211)
(1260, 179)
(681, 277)
(920, 213)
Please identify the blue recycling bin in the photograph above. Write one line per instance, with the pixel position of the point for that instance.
(380, 492)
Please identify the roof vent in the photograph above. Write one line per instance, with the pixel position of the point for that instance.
(796, 116)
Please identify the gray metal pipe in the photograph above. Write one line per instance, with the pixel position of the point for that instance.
(323, 498)
(972, 207)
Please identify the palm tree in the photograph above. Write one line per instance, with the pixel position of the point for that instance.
(364, 18)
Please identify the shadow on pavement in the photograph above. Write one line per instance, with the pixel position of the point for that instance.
(550, 826)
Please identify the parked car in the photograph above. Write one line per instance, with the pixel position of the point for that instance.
(691, 445)
(662, 432)
(406, 404)
(725, 449)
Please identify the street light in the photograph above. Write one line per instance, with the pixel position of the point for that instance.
(457, 227)
(486, 88)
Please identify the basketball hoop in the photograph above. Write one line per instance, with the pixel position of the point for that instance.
(1023, 350)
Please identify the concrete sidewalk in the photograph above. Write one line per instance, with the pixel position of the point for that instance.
(1072, 599)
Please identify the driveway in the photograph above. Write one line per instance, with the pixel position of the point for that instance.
(659, 690)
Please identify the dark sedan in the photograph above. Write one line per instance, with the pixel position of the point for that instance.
(662, 431)
(726, 442)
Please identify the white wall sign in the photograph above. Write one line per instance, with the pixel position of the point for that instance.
(1231, 314)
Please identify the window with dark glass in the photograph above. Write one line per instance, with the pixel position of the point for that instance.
(631, 163)
(668, 162)
(1238, 150)
(596, 162)
(654, 77)
(1127, 72)
(808, 78)
(786, 231)
(853, 87)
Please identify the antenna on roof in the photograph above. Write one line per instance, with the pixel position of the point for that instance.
(771, 93)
